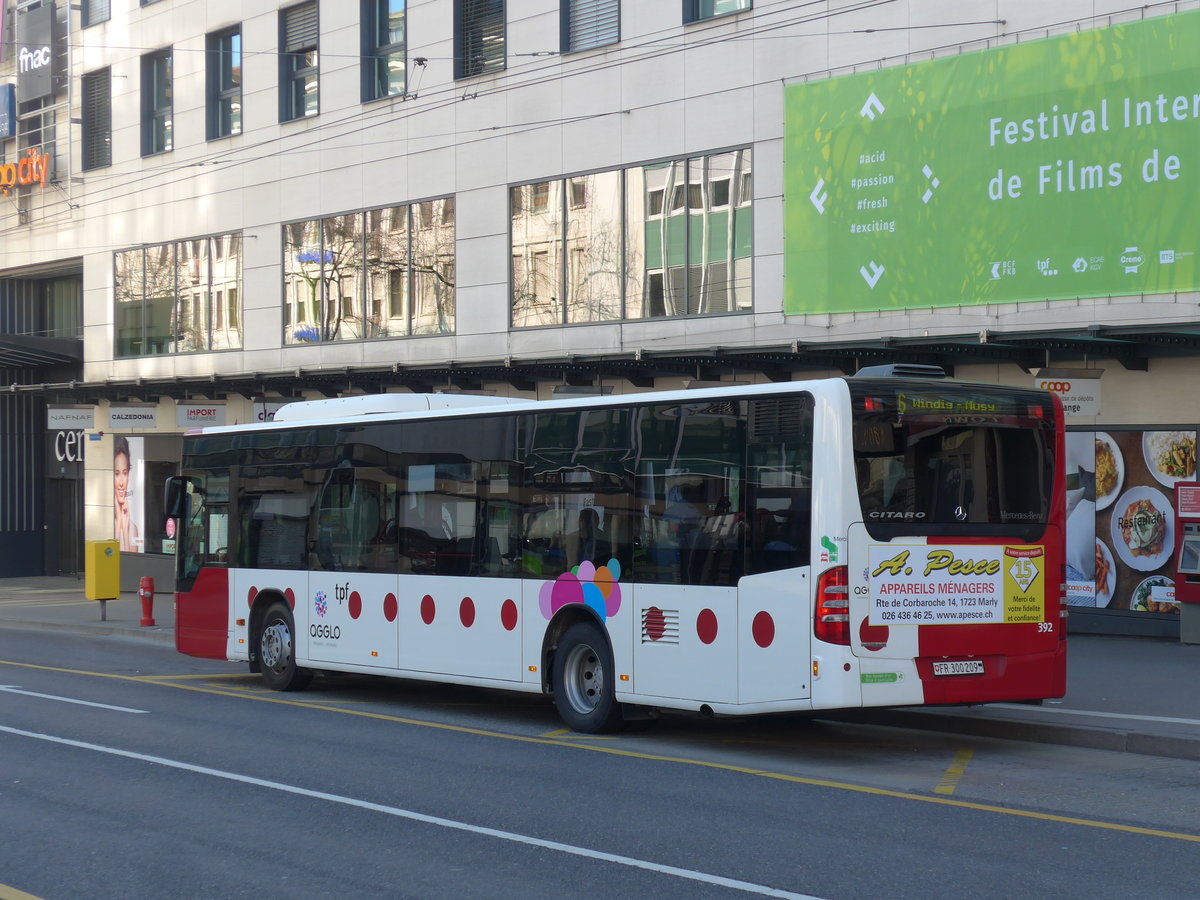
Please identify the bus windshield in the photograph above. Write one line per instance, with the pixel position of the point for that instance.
(953, 463)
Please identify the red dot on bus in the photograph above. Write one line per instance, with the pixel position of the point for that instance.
(873, 637)
(655, 623)
(390, 607)
(355, 605)
(706, 626)
(763, 629)
(251, 594)
(508, 615)
(466, 612)
(428, 609)
(290, 596)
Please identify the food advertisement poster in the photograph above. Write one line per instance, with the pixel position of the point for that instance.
(1121, 517)
(1058, 168)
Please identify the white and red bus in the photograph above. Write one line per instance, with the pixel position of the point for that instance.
(877, 540)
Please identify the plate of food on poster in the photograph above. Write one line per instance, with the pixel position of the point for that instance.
(1110, 470)
(1143, 528)
(1142, 598)
(1106, 575)
(1170, 455)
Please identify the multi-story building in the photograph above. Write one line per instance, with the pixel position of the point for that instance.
(213, 208)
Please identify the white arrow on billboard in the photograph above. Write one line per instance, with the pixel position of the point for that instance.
(819, 201)
(871, 107)
(872, 277)
(933, 183)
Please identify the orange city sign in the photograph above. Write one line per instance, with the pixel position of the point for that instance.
(33, 168)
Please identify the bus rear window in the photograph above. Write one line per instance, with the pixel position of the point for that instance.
(953, 460)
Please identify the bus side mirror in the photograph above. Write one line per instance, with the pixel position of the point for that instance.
(175, 495)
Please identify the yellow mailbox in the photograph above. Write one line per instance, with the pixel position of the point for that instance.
(102, 572)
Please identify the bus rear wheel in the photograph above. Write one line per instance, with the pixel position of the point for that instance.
(277, 651)
(583, 682)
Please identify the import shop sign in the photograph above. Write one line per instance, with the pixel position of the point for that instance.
(198, 415)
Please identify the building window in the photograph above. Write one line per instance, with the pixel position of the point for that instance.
(179, 297)
(97, 119)
(156, 102)
(664, 240)
(699, 10)
(93, 12)
(383, 48)
(478, 37)
(224, 77)
(383, 273)
(590, 23)
(299, 69)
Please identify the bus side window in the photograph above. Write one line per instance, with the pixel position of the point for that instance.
(780, 483)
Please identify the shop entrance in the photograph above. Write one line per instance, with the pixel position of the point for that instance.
(63, 531)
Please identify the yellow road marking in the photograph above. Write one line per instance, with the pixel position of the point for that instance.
(167, 681)
(11, 893)
(954, 772)
(567, 732)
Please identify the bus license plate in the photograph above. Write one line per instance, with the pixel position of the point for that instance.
(959, 667)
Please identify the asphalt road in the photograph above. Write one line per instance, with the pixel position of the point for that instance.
(129, 771)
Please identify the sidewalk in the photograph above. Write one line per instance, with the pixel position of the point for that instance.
(57, 602)
(1131, 694)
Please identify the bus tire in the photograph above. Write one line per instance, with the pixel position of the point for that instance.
(583, 681)
(277, 651)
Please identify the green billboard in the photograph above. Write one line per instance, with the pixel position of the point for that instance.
(1058, 168)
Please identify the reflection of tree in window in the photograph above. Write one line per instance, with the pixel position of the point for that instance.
(434, 270)
(594, 247)
(387, 272)
(537, 249)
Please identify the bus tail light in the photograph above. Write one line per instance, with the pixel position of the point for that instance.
(832, 617)
(1062, 607)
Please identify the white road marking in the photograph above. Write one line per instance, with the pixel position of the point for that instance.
(13, 689)
(688, 874)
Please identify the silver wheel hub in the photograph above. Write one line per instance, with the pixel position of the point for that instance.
(583, 679)
(276, 645)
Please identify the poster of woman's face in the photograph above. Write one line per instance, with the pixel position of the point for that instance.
(127, 493)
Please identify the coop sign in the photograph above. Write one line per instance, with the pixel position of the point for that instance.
(32, 168)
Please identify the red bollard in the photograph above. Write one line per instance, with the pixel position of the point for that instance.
(146, 592)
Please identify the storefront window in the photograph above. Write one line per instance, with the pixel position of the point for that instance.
(1121, 517)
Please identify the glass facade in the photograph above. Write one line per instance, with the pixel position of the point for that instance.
(667, 239)
(179, 297)
(386, 272)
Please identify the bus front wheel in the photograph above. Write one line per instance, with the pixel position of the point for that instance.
(277, 651)
(584, 686)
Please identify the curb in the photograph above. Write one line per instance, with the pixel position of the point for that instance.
(1089, 736)
(152, 634)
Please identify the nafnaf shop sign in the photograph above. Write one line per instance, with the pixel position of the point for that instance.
(197, 415)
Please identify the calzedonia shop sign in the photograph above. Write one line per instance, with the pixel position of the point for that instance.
(133, 417)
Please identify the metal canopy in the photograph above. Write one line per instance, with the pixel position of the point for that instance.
(19, 351)
(1130, 347)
